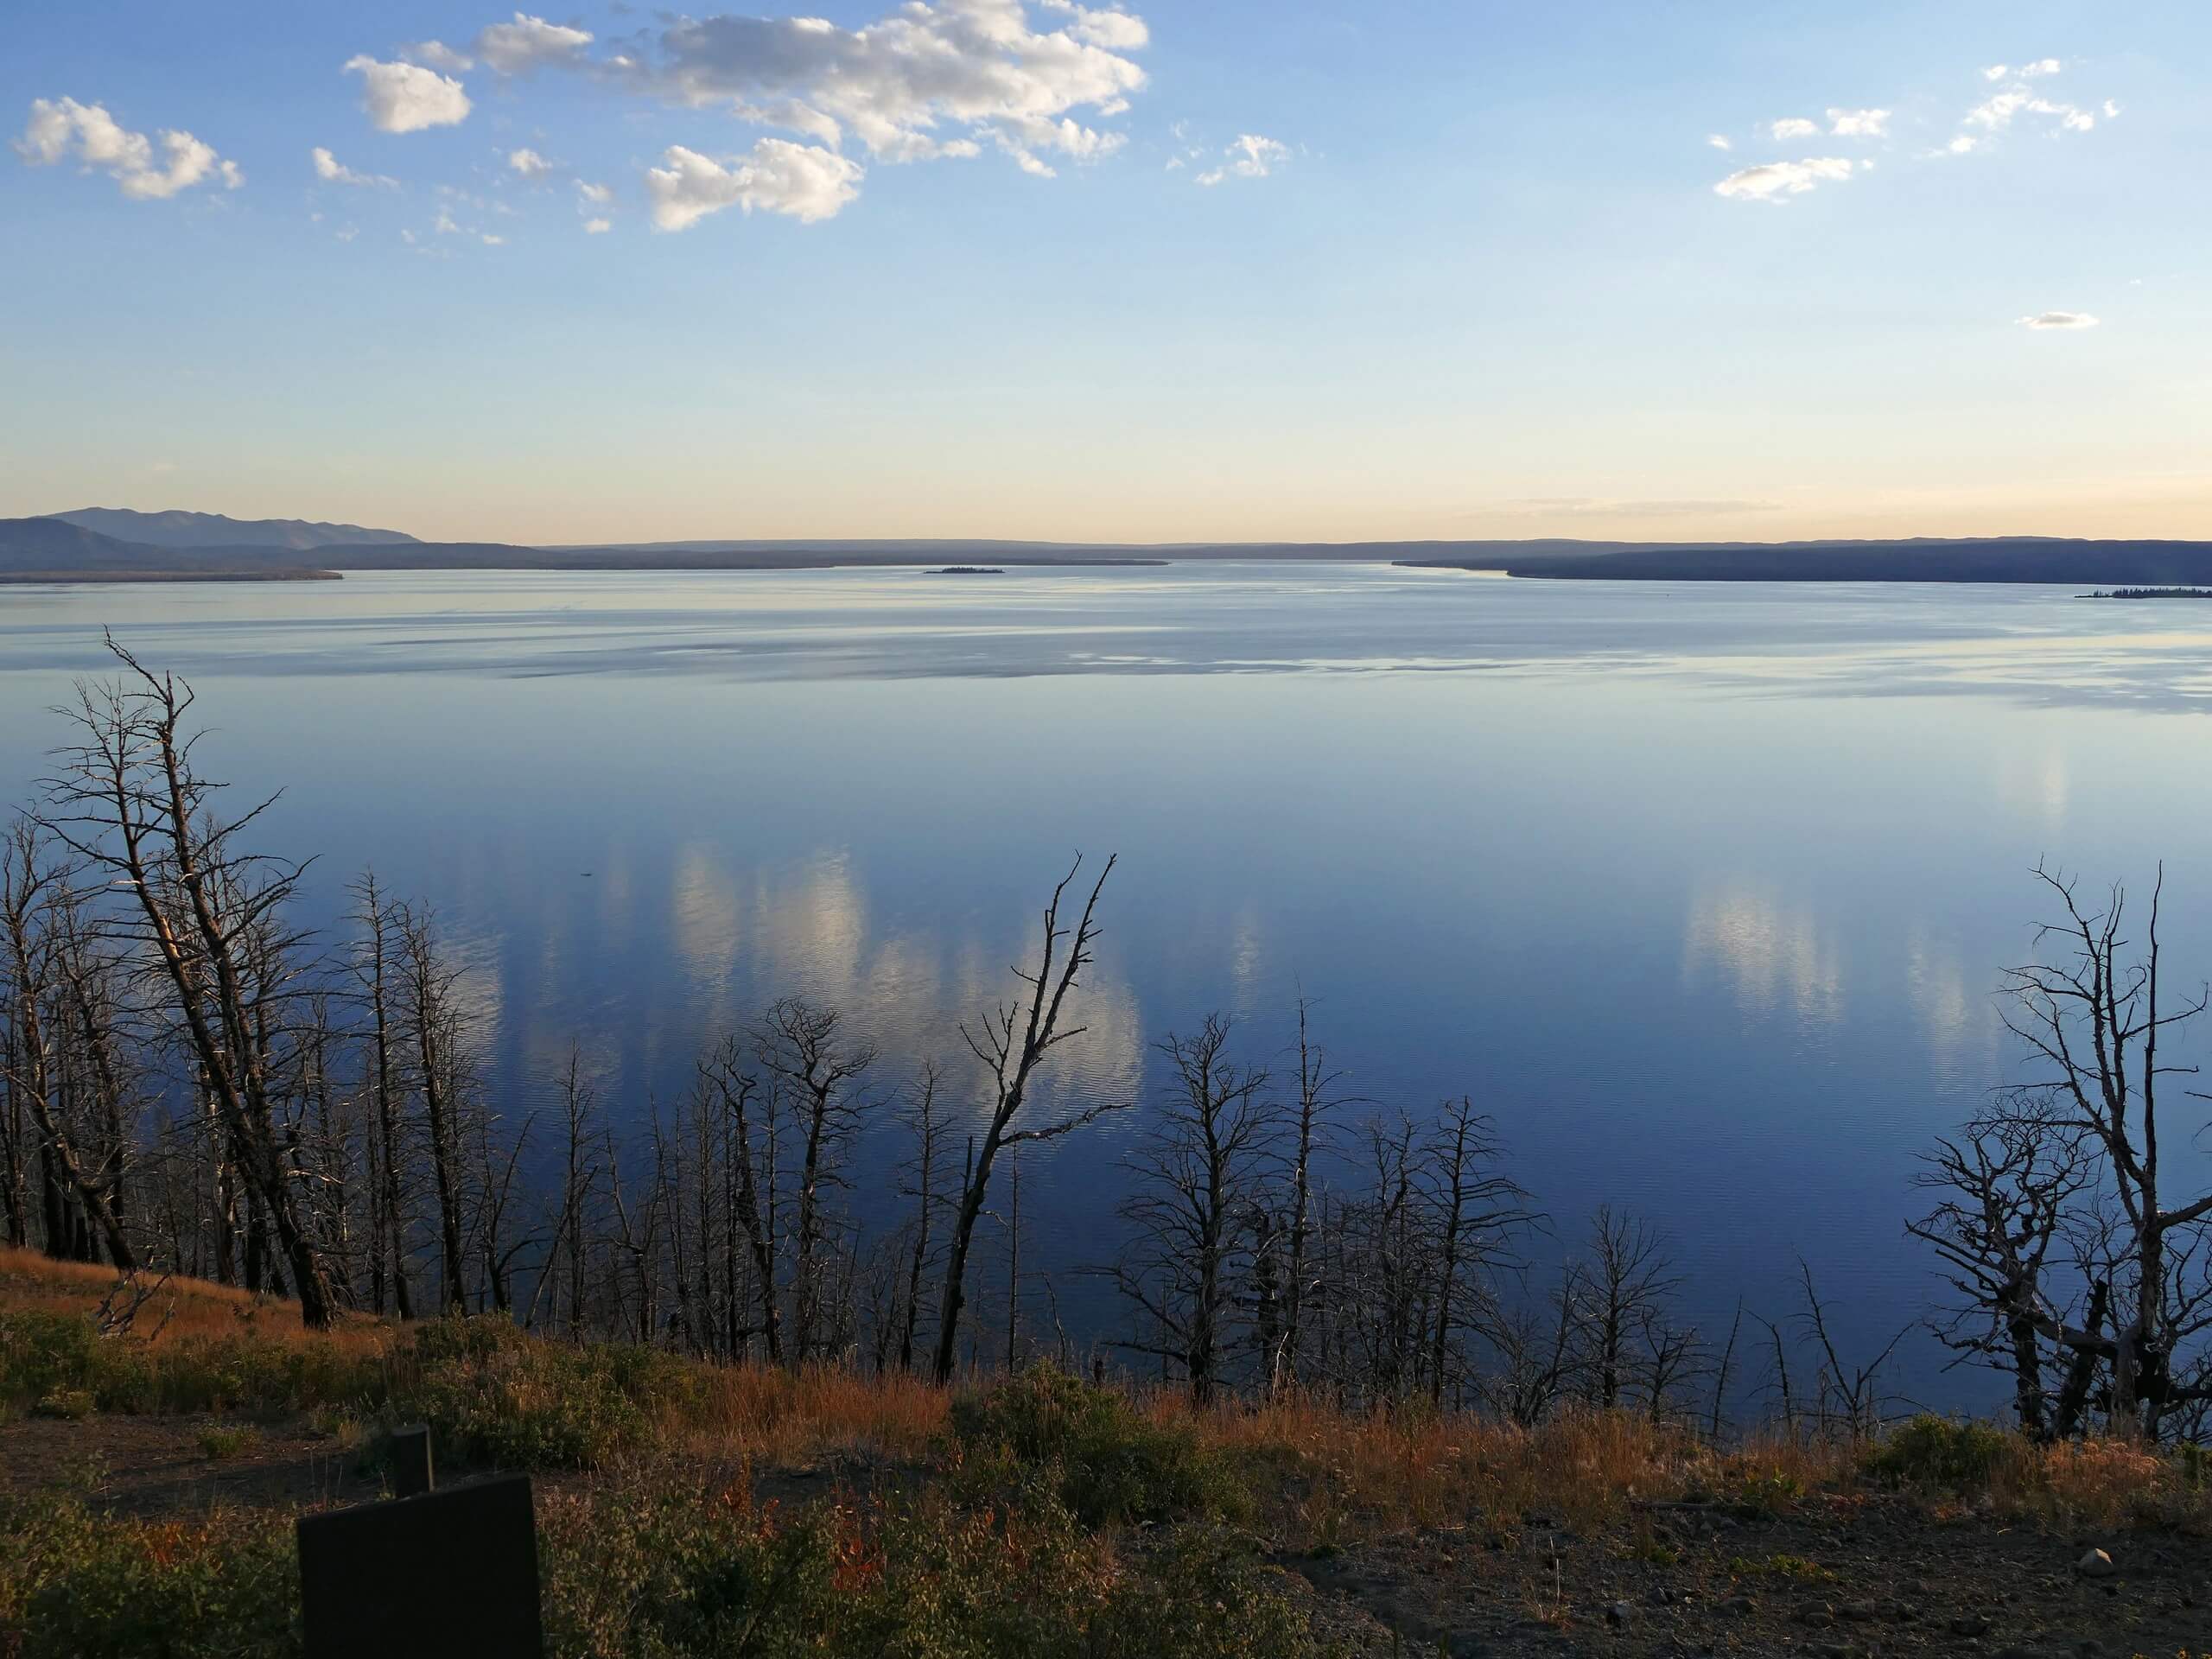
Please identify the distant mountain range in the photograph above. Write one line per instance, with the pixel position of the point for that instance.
(212, 529)
(113, 544)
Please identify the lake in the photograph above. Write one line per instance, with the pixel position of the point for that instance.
(1703, 891)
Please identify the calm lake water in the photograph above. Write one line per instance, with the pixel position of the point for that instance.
(1703, 891)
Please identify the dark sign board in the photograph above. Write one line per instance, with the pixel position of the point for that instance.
(448, 1575)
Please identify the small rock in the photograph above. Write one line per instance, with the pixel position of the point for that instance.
(1969, 1624)
(1738, 1605)
(1818, 1614)
(1858, 1612)
(1620, 1614)
(2095, 1565)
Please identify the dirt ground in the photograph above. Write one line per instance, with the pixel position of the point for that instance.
(1840, 1578)
(1836, 1577)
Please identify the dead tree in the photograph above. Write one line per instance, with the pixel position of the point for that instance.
(800, 1048)
(2006, 1188)
(1011, 1043)
(1317, 1104)
(375, 969)
(38, 917)
(128, 802)
(2093, 1023)
(436, 1034)
(1475, 1211)
(737, 1090)
(1197, 1171)
(1626, 1285)
(924, 1122)
(1847, 1391)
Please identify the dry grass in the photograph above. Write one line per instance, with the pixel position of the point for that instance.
(183, 1310)
(1321, 1475)
(780, 1419)
(1349, 1473)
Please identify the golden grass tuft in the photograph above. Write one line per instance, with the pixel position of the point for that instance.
(183, 1310)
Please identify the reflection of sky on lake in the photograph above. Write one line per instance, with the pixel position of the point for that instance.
(1703, 890)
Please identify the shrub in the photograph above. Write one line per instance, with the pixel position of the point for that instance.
(1112, 1464)
(222, 1440)
(1938, 1451)
(492, 1395)
(81, 1586)
(666, 1567)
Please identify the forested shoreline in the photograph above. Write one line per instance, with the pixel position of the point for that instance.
(190, 1084)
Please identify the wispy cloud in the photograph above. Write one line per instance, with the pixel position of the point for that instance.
(1776, 182)
(1250, 157)
(1795, 126)
(2046, 320)
(1859, 124)
(331, 170)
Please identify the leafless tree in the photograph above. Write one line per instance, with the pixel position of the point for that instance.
(2075, 1154)
(819, 1072)
(1198, 1170)
(2006, 1188)
(130, 804)
(1011, 1043)
(1475, 1212)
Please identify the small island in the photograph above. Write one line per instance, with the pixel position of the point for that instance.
(966, 570)
(2149, 593)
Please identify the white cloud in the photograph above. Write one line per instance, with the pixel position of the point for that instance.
(1719, 141)
(527, 42)
(62, 128)
(598, 195)
(1795, 126)
(1996, 114)
(2111, 111)
(1112, 28)
(598, 226)
(529, 163)
(802, 180)
(1964, 143)
(490, 240)
(1859, 124)
(331, 170)
(1250, 157)
(436, 55)
(2043, 320)
(406, 97)
(1776, 181)
(894, 84)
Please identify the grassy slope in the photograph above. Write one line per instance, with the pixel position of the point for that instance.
(1041, 1517)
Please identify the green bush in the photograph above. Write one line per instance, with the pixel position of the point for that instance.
(493, 1396)
(1112, 1464)
(1939, 1452)
(660, 1567)
(77, 1586)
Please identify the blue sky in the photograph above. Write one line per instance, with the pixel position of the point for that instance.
(1297, 270)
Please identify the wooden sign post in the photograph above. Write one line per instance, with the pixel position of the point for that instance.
(444, 1575)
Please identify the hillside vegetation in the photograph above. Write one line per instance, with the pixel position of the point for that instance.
(687, 1509)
